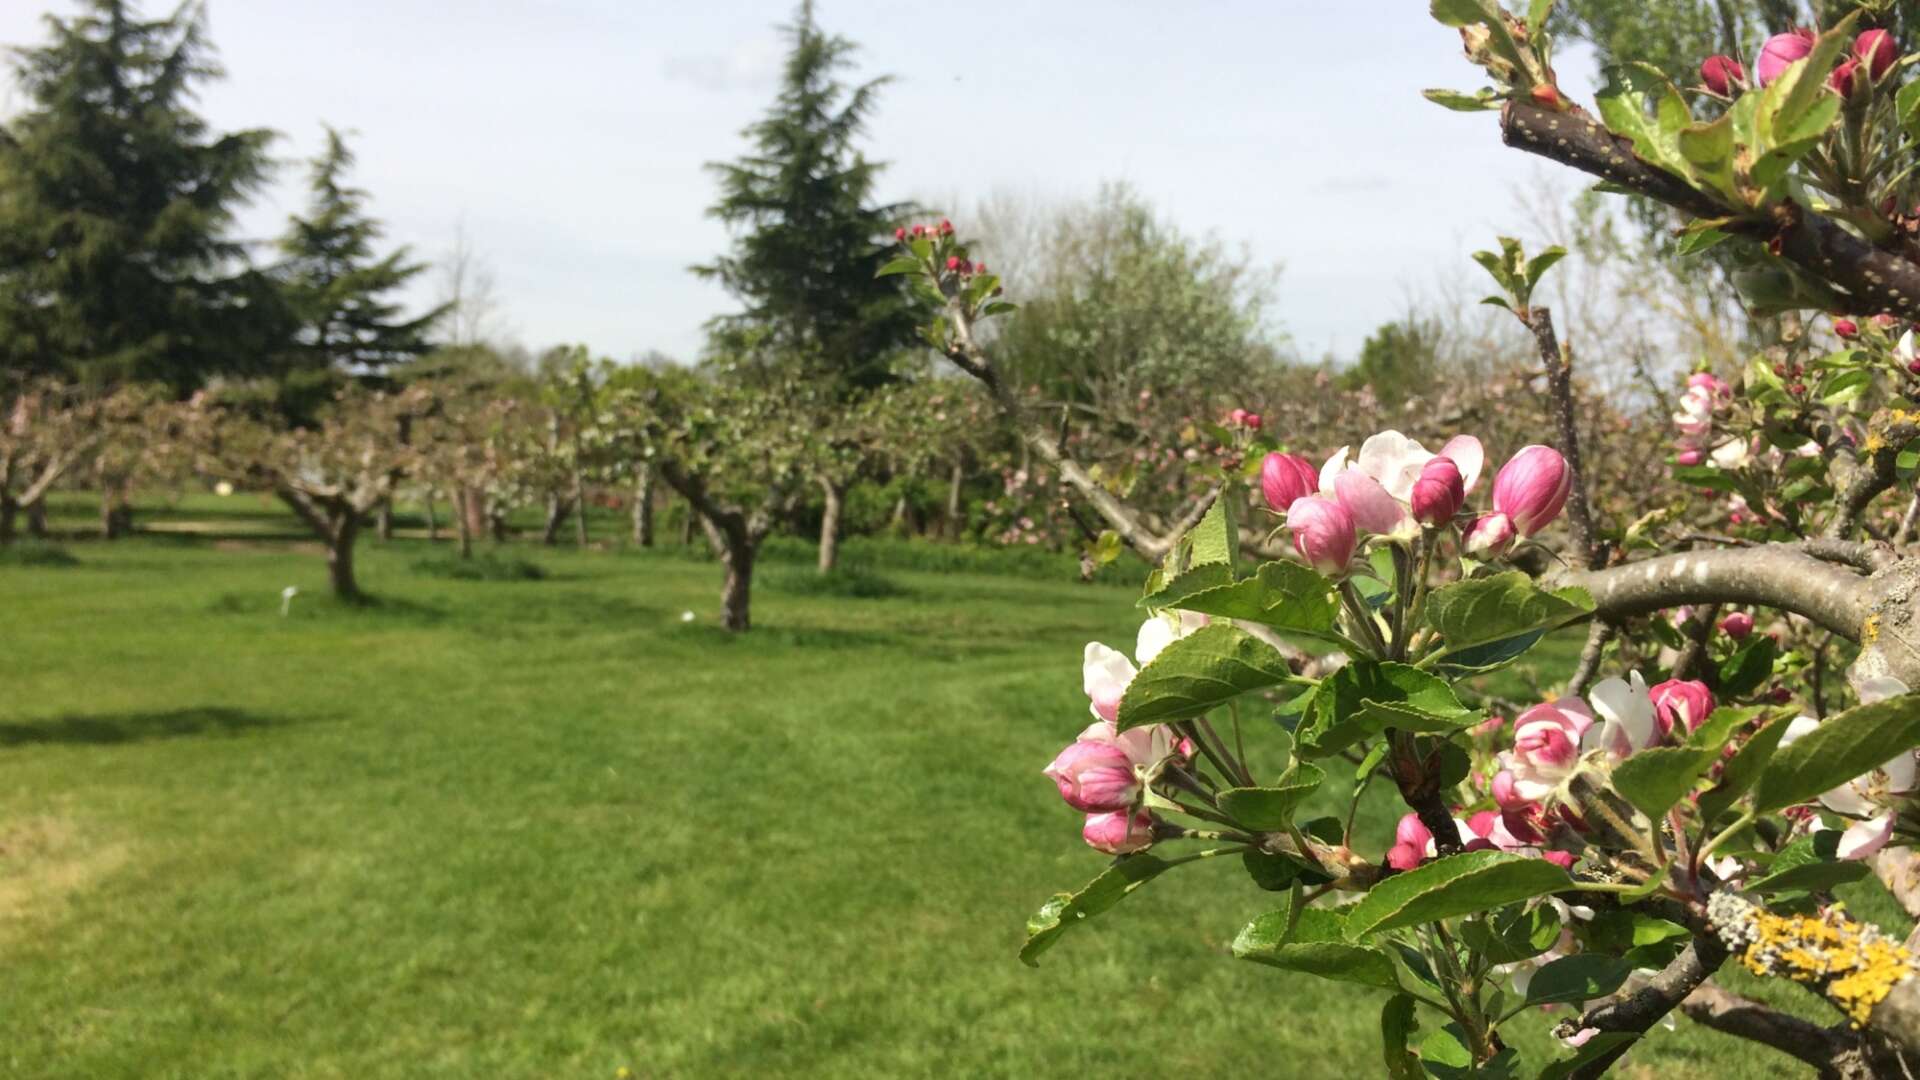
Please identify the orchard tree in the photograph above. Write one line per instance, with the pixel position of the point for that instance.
(1688, 797)
(331, 474)
(116, 205)
(51, 430)
(809, 235)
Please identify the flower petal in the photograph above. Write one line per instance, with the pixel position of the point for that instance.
(1466, 452)
(1863, 838)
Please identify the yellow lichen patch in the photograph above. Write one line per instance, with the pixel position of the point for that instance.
(1852, 964)
(1869, 630)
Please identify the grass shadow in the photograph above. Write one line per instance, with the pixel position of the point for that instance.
(109, 728)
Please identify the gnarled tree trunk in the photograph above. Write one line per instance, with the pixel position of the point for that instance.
(9, 513)
(956, 480)
(433, 521)
(830, 524)
(37, 519)
(340, 558)
(557, 510)
(643, 508)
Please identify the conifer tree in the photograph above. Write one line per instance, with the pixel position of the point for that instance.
(116, 204)
(809, 237)
(337, 289)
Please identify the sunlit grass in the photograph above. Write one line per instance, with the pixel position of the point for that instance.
(547, 828)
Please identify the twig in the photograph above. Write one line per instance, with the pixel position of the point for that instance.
(1560, 385)
(1599, 633)
(1640, 1009)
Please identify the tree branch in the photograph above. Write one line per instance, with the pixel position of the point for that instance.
(1640, 1009)
(1733, 1014)
(1871, 280)
(1774, 576)
(1560, 386)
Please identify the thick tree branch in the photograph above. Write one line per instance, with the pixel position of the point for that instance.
(1774, 576)
(1888, 433)
(1733, 1014)
(1871, 280)
(1637, 1010)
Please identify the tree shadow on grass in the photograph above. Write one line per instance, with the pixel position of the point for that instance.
(108, 728)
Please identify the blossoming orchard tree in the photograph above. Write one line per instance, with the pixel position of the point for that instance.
(50, 430)
(331, 475)
(1689, 796)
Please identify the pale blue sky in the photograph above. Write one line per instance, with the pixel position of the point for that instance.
(569, 134)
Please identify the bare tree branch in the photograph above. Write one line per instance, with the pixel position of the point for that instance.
(1560, 385)
(1637, 1010)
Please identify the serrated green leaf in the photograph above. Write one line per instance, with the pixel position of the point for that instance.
(1808, 864)
(1207, 668)
(1512, 934)
(1841, 748)
(1365, 697)
(1459, 102)
(1274, 872)
(1286, 596)
(902, 265)
(1656, 778)
(1397, 1025)
(1481, 611)
(1269, 809)
(1317, 945)
(1067, 910)
(1453, 885)
(1577, 978)
(1748, 668)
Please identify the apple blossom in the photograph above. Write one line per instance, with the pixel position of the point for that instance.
(1722, 74)
(1875, 49)
(1119, 832)
(1682, 703)
(1546, 747)
(1629, 721)
(1489, 536)
(1737, 625)
(1871, 797)
(1780, 52)
(1095, 776)
(1439, 493)
(1391, 463)
(1162, 630)
(1323, 533)
(1531, 488)
(1286, 477)
(1840, 80)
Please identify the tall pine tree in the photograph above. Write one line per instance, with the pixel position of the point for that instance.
(116, 202)
(335, 286)
(808, 238)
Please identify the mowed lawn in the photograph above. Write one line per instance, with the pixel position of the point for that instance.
(547, 829)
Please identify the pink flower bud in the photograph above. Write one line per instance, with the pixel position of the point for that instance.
(1095, 777)
(979, 268)
(1780, 52)
(1237, 417)
(1562, 859)
(1531, 488)
(899, 234)
(1482, 823)
(1685, 703)
(953, 262)
(1840, 79)
(1323, 533)
(1253, 421)
(1690, 457)
(919, 230)
(1847, 329)
(1411, 832)
(1404, 856)
(1118, 833)
(1439, 492)
(946, 227)
(1722, 74)
(1875, 49)
(1286, 477)
(1489, 536)
(1506, 795)
(1490, 726)
(1883, 320)
(1737, 625)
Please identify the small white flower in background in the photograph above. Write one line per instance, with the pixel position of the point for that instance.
(1869, 797)
(286, 599)
(686, 616)
(223, 489)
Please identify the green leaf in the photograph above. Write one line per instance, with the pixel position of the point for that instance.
(905, 264)
(1656, 778)
(1541, 263)
(1317, 946)
(1841, 748)
(1537, 13)
(1809, 864)
(1274, 872)
(1745, 767)
(1454, 885)
(1397, 1025)
(1482, 611)
(1445, 1055)
(1577, 978)
(1481, 659)
(1497, 267)
(1459, 102)
(1513, 933)
(1622, 102)
(1906, 105)
(1208, 667)
(1270, 809)
(1286, 596)
(1459, 12)
(1366, 697)
(1748, 668)
(1067, 910)
(1697, 242)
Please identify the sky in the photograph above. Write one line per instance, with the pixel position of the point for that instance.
(567, 138)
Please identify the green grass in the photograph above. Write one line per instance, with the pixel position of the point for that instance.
(551, 830)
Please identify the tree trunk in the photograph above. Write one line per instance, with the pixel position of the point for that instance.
(955, 481)
(899, 523)
(580, 510)
(345, 529)
(686, 529)
(385, 519)
(433, 523)
(643, 508)
(37, 519)
(556, 513)
(465, 520)
(8, 510)
(830, 525)
(736, 591)
(473, 511)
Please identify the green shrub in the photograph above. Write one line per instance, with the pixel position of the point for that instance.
(848, 582)
(485, 567)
